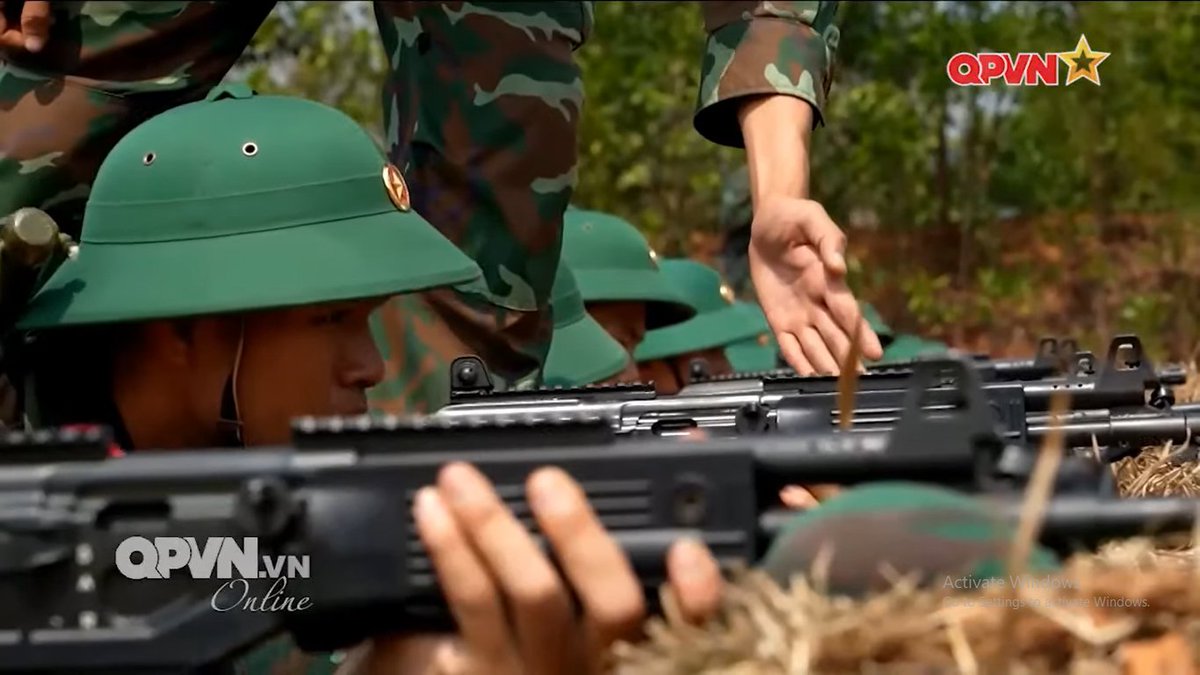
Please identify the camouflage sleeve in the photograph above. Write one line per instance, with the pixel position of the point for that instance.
(759, 48)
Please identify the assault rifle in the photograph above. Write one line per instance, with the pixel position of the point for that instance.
(1056, 365)
(1054, 356)
(340, 501)
(792, 404)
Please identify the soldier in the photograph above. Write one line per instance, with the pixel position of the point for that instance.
(231, 253)
(668, 356)
(482, 106)
(581, 352)
(735, 217)
(619, 279)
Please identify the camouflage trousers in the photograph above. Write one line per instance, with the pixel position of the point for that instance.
(481, 104)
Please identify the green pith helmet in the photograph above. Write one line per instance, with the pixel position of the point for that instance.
(613, 262)
(720, 320)
(244, 202)
(877, 532)
(899, 347)
(906, 347)
(876, 322)
(581, 351)
(758, 353)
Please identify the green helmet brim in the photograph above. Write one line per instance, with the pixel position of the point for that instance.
(366, 256)
(664, 307)
(582, 353)
(734, 323)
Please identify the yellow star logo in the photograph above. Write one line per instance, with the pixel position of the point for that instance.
(1083, 62)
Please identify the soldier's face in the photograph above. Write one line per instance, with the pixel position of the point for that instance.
(672, 374)
(629, 374)
(315, 360)
(626, 323)
(715, 361)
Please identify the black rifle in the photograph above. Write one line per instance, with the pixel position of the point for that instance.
(1127, 378)
(791, 404)
(342, 497)
(1053, 357)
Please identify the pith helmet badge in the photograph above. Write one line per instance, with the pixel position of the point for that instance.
(397, 189)
(727, 293)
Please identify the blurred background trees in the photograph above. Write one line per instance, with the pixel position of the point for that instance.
(984, 216)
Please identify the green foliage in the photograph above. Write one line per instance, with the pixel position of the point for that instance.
(640, 158)
(325, 51)
(1002, 198)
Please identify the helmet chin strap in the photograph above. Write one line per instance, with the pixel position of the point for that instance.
(230, 420)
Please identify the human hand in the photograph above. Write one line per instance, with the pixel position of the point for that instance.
(797, 262)
(511, 606)
(802, 498)
(31, 33)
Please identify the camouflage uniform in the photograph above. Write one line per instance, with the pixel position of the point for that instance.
(481, 106)
(234, 218)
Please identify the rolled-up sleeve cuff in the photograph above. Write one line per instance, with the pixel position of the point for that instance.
(762, 55)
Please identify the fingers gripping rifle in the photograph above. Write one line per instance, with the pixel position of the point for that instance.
(340, 500)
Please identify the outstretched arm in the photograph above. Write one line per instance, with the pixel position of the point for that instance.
(767, 71)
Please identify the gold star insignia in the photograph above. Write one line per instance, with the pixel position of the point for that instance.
(1083, 62)
(397, 190)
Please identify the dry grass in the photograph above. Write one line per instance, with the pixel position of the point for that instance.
(764, 630)
(1133, 608)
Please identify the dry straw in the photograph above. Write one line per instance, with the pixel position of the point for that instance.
(1133, 608)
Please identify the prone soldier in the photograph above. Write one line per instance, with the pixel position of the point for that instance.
(482, 104)
(581, 352)
(667, 356)
(266, 260)
(224, 280)
(620, 279)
